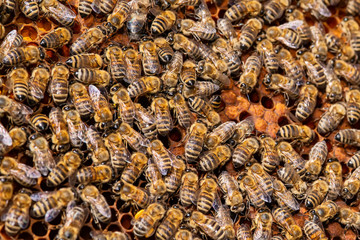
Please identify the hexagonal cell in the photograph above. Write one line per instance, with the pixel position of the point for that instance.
(267, 102)
(125, 221)
(44, 25)
(52, 56)
(175, 135)
(29, 33)
(39, 229)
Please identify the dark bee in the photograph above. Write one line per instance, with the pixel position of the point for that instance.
(30, 9)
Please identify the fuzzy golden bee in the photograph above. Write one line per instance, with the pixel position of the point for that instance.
(147, 219)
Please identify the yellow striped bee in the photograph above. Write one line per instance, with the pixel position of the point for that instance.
(38, 82)
(318, 9)
(293, 14)
(156, 183)
(18, 82)
(81, 99)
(132, 65)
(201, 107)
(316, 193)
(57, 38)
(288, 154)
(274, 10)
(334, 89)
(256, 196)
(59, 85)
(333, 43)
(348, 136)
(291, 177)
(220, 134)
(95, 144)
(244, 232)
(325, 211)
(7, 190)
(150, 60)
(137, 19)
(214, 158)
(354, 161)
(222, 215)
(317, 157)
(170, 223)
(181, 110)
(248, 79)
(351, 185)
(77, 129)
(146, 220)
(136, 141)
(30, 9)
(266, 49)
(226, 29)
(93, 76)
(189, 187)
(164, 123)
(307, 102)
(244, 151)
(314, 231)
(99, 207)
(315, 69)
(230, 56)
(295, 132)
(24, 55)
(230, 187)
(145, 121)
(285, 34)
(85, 60)
(116, 63)
(163, 22)
(351, 28)
(204, 30)
(103, 114)
(164, 50)
(119, 155)
(287, 222)
(188, 73)
(161, 155)
(349, 217)
(58, 11)
(42, 156)
(284, 197)
(262, 225)
(208, 224)
(261, 176)
(319, 48)
(120, 13)
(186, 45)
(249, 33)
(200, 89)
(171, 75)
(194, 144)
(210, 71)
(173, 180)
(135, 167)
(18, 113)
(331, 118)
(94, 174)
(132, 194)
(269, 156)
(241, 10)
(353, 7)
(207, 193)
(291, 66)
(58, 126)
(12, 40)
(148, 84)
(284, 84)
(352, 98)
(126, 107)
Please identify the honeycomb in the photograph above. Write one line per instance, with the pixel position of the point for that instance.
(268, 111)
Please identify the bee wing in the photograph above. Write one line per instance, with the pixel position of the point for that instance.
(334, 182)
(29, 171)
(202, 11)
(35, 90)
(53, 119)
(312, 69)
(288, 199)
(203, 27)
(5, 136)
(41, 195)
(322, 9)
(265, 196)
(52, 214)
(7, 43)
(23, 108)
(23, 220)
(61, 11)
(292, 25)
(157, 160)
(288, 43)
(261, 232)
(95, 6)
(101, 205)
(94, 93)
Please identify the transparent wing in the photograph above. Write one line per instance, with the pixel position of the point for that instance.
(322, 9)
(203, 28)
(7, 43)
(313, 72)
(261, 232)
(267, 189)
(23, 109)
(142, 115)
(5, 136)
(52, 214)
(29, 171)
(61, 11)
(158, 160)
(288, 43)
(288, 199)
(94, 93)
(41, 195)
(202, 11)
(95, 6)
(54, 119)
(292, 25)
(23, 220)
(35, 90)
(101, 205)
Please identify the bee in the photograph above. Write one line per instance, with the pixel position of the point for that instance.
(244, 151)
(173, 180)
(334, 88)
(226, 29)
(200, 89)
(266, 49)
(353, 7)
(207, 193)
(348, 54)
(241, 10)
(346, 71)
(37, 84)
(288, 154)
(348, 136)
(204, 30)
(186, 45)
(135, 167)
(171, 75)
(285, 34)
(351, 185)
(274, 10)
(220, 134)
(295, 132)
(75, 220)
(188, 73)
(18, 138)
(161, 156)
(291, 177)
(103, 114)
(319, 48)
(216, 103)
(66, 167)
(77, 129)
(325, 211)
(85, 60)
(170, 223)
(94, 174)
(116, 63)
(293, 14)
(230, 187)
(126, 107)
(214, 158)
(163, 22)
(146, 220)
(313, 231)
(249, 33)
(181, 109)
(282, 83)
(132, 65)
(85, 7)
(18, 81)
(119, 154)
(58, 126)
(332, 118)
(292, 67)
(99, 207)
(17, 218)
(230, 56)
(222, 215)
(42, 157)
(12, 40)
(333, 43)
(145, 121)
(189, 187)
(220, 65)
(50, 204)
(256, 196)
(307, 102)
(58, 11)
(30, 9)
(160, 107)
(23, 174)
(349, 217)
(317, 193)
(243, 232)
(201, 107)
(351, 31)
(136, 141)
(248, 79)
(95, 144)
(120, 13)
(133, 194)
(164, 50)
(318, 9)
(269, 156)
(58, 86)
(81, 99)
(93, 76)
(333, 175)
(57, 38)
(102, 235)
(18, 112)
(262, 225)
(7, 191)
(315, 69)
(317, 157)
(137, 19)
(148, 84)
(207, 224)
(283, 197)
(150, 60)
(261, 176)
(156, 184)
(287, 222)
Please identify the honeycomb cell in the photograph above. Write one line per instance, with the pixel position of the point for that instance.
(85, 232)
(125, 221)
(267, 102)
(44, 25)
(175, 135)
(39, 228)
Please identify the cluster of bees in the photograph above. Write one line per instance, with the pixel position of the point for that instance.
(112, 106)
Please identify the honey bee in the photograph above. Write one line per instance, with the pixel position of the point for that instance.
(6, 141)
(333, 88)
(220, 134)
(349, 217)
(17, 218)
(295, 132)
(352, 7)
(282, 83)
(75, 220)
(170, 223)
(103, 114)
(38, 82)
(283, 197)
(285, 34)
(173, 180)
(7, 191)
(332, 118)
(145, 121)
(42, 157)
(81, 99)
(207, 54)
(201, 107)
(161, 155)
(351, 31)
(132, 65)
(18, 82)
(307, 102)
(287, 222)
(57, 38)
(164, 50)
(291, 177)
(217, 103)
(171, 75)
(325, 211)
(252, 68)
(146, 220)
(266, 49)
(160, 107)
(85, 7)
(348, 136)
(93, 76)
(226, 29)
(200, 30)
(30, 9)
(351, 185)
(318, 9)
(313, 231)
(58, 86)
(333, 43)
(261, 176)
(242, 9)
(99, 207)
(189, 187)
(256, 196)
(181, 109)
(156, 184)
(244, 151)
(317, 157)
(148, 84)
(200, 89)
(18, 136)
(333, 175)
(107, 235)
(136, 141)
(18, 112)
(230, 187)
(230, 56)
(94, 174)
(85, 60)
(11, 41)
(207, 193)
(120, 13)
(95, 144)
(77, 129)
(243, 232)
(137, 19)
(208, 71)
(274, 10)
(133, 194)
(293, 14)
(207, 224)
(249, 33)
(58, 127)
(288, 154)
(316, 193)
(50, 204)
(188, 73)
(292, 67)
(269, 156)
(222, 215)
(186, 45)
(116, 63)
(214, 158)
(150, 60)
(348, 54)
(58, 11)
(135, 167)
(163, 22)
(262, 224)
(119, 154)
(315, 69)
(346, 71)
(23, 174)
(319, 48)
